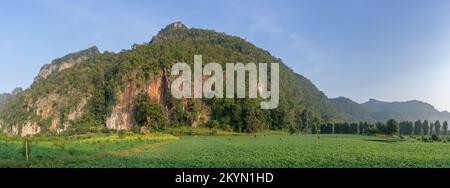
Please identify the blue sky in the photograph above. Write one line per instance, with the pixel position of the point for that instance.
(392, 50)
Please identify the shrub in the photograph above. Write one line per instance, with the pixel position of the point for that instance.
(150, 114)
(214, 132)
(122, 134)
(213, 124)
(434, 137)
(292, 130)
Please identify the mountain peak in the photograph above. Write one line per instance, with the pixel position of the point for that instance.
(176, 25)
(373, 100)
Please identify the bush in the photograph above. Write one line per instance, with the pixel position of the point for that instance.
(292, 130)
(122, 134)
(214, 132)
(214, 124)
(426, 139)
(434, 137)
(150, 114)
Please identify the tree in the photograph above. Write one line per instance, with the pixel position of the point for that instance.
(304, 121)
(418, 127)
(354, 128)
(392, 127)
(410, 128)
(381, 128)
(150, 114)
(363, 127)
(437, 127)
(425, 127)
(406, 128)
(315, 127)
(326, 128)
(252, 121)
(445, 127)
(431, 128)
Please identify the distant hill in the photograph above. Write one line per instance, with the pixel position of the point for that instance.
(5, 97)
(352, 110)
(375, 110)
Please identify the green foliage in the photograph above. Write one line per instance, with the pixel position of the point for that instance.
(425, 127)
(364, 127)
(437, 127)
(85, 124)
(406, 128)
(326, 128)
(150, 114)
(418, 127)
(121, 134)
(392, 127)
(434, 137)
(346, 128)
(445, 127)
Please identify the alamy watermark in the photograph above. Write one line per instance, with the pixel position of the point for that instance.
(235, 79)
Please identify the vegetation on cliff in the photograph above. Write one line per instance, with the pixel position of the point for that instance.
(102, 92)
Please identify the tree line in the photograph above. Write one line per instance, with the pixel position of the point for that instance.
(391, 127)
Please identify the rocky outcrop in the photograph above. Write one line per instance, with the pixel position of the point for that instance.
(66, 62)
(78, 110)
(176, 25)
(156, 90)
(15, 130)
(163, 34)
(30, 129)
(122, 115)
(45, 107)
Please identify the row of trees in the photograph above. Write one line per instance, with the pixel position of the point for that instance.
(389, 128)
(423, 128)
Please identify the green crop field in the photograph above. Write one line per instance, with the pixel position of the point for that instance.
(270, 150)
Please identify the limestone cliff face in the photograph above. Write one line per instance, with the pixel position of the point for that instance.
(66, 62)
(123, 113)
(47, 109)
(30, 129)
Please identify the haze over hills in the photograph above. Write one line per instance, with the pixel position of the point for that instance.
(92, 91)
(374, 110)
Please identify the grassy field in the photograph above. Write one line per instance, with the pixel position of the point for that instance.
(270, 150)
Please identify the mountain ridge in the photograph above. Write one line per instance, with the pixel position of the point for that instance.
(66, 62)
(381, 111)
